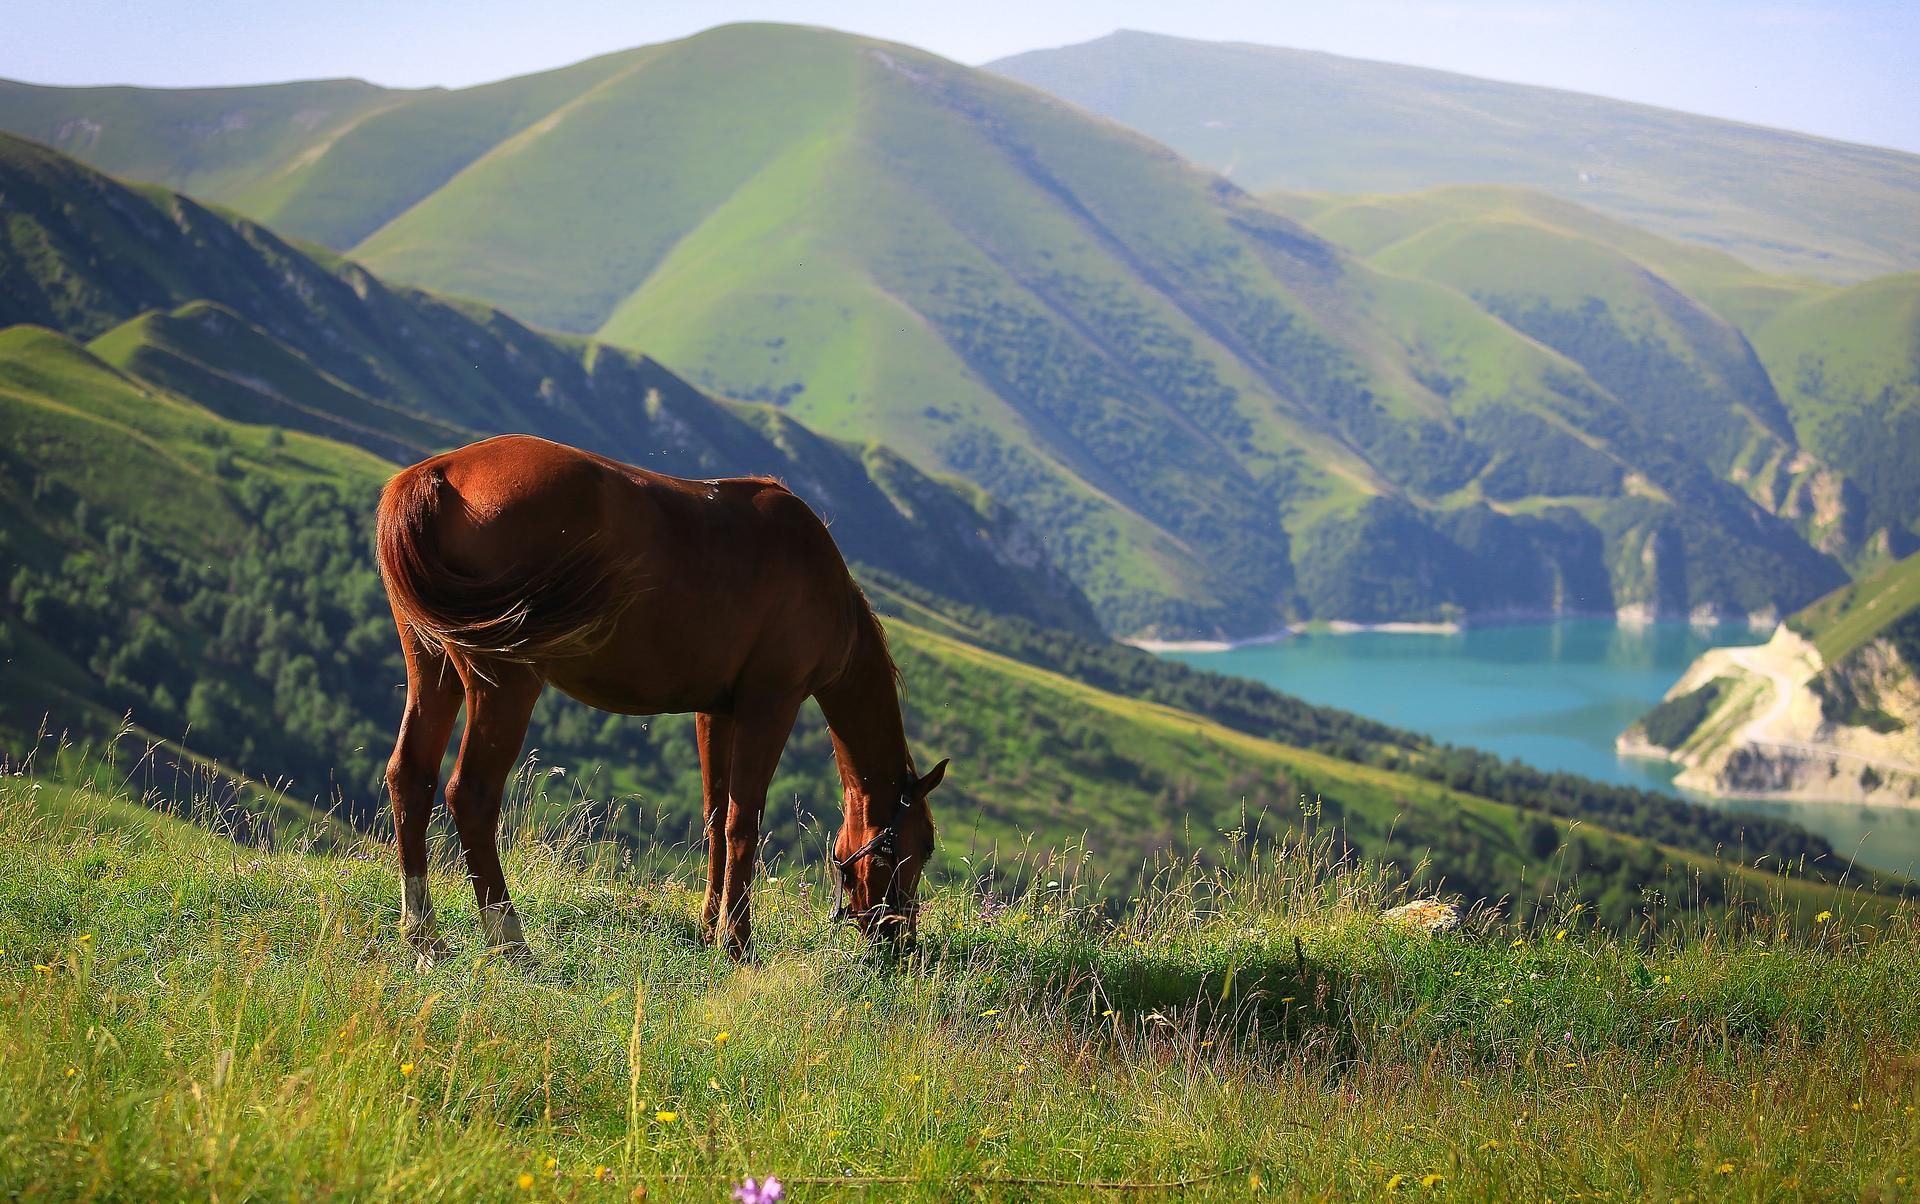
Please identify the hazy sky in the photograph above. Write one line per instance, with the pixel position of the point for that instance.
(1842, 68)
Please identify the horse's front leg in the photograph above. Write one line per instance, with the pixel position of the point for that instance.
(758, 737)
(714, 733)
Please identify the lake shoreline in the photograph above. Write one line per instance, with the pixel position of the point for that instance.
(1628, 616)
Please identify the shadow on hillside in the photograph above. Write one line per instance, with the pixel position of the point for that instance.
(1283, 997)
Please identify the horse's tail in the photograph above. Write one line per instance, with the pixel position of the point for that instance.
(523, 613)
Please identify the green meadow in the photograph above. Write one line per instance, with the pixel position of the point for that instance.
(186, 1016)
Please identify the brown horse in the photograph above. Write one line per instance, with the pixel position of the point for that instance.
(515, 563)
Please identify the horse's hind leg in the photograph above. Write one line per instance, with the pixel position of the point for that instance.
(714, 733)
(413, 774)
(499, 703)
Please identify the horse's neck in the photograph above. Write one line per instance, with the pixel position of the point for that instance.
(863, 718)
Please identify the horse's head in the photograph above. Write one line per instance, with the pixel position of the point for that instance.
(880, 858)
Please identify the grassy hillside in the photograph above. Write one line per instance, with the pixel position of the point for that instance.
(211, 579)
(1797, 392)
(1855, 614)
(263, 332)
(1213, 420)
(1276, 118)
(183, 1020)
(1848, 366)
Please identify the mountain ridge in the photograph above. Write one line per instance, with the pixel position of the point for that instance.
(1783, 200)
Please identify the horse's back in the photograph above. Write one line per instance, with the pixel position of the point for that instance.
(650, 592)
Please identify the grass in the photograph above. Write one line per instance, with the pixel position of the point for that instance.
(1854, 614)
(187, 1016)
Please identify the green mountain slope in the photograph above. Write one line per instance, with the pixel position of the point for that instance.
(1800, 393)
(212, 579)
(1276, 118)
(1213, 419)
(1847, 362)
(261, 331)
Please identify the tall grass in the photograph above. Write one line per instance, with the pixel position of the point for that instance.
(185, 1016)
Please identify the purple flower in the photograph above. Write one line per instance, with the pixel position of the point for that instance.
(992, 908)
(767, 1191)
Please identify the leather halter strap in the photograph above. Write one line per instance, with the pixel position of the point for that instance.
(882, 842)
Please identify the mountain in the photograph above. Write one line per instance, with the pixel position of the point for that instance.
(1829, 708)
(1214, 420)
(1274, 118)
(259, 330)
(1805, 395)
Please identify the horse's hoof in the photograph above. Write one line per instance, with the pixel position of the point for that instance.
(427, 951)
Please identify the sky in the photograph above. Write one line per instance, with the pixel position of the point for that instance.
(1839, 68)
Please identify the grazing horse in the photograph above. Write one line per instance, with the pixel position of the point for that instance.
(514, 564)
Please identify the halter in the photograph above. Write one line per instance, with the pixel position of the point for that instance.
(882, 843)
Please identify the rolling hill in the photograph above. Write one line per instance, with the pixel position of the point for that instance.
(210, 578)
(1270, 118)
(1805, 395)
(1214, 420)
(186, 299)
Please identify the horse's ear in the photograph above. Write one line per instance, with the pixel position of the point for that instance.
(925, 785)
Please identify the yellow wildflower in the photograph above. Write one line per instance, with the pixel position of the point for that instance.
(603, 1174)
(722, 1038)
(1393, 1184)
(552, 1163)
(1491, 1143)
(1560, 935)
(86, 936)
(1428, 1181)
(406, 1068)
(989, 1012)
(43, 969)
(666, 1118)
(1725, 1168)
(1823, 917)
(526, 1181)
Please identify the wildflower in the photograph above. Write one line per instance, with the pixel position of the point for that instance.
(1517, 942)
(989, 1012)
(1725, 1168)
(722, 1038)
(1560, 935)
(406, 1068)
(1855, 1105)
(666, 1118)
(71, 1072)
(1393, 1184)
(1428, 1181)
(1507, 1002)
(914, 1078)
(1491, 1143)
(992, 908)
(553, 1164)
(766, 1191)
(86, 936)
(525, 1181)
(43, 969)
(1823, 917)
(603, 1174)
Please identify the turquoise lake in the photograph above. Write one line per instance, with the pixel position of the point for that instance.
(1552, 694)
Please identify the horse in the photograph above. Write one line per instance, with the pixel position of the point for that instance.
(515, 563)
